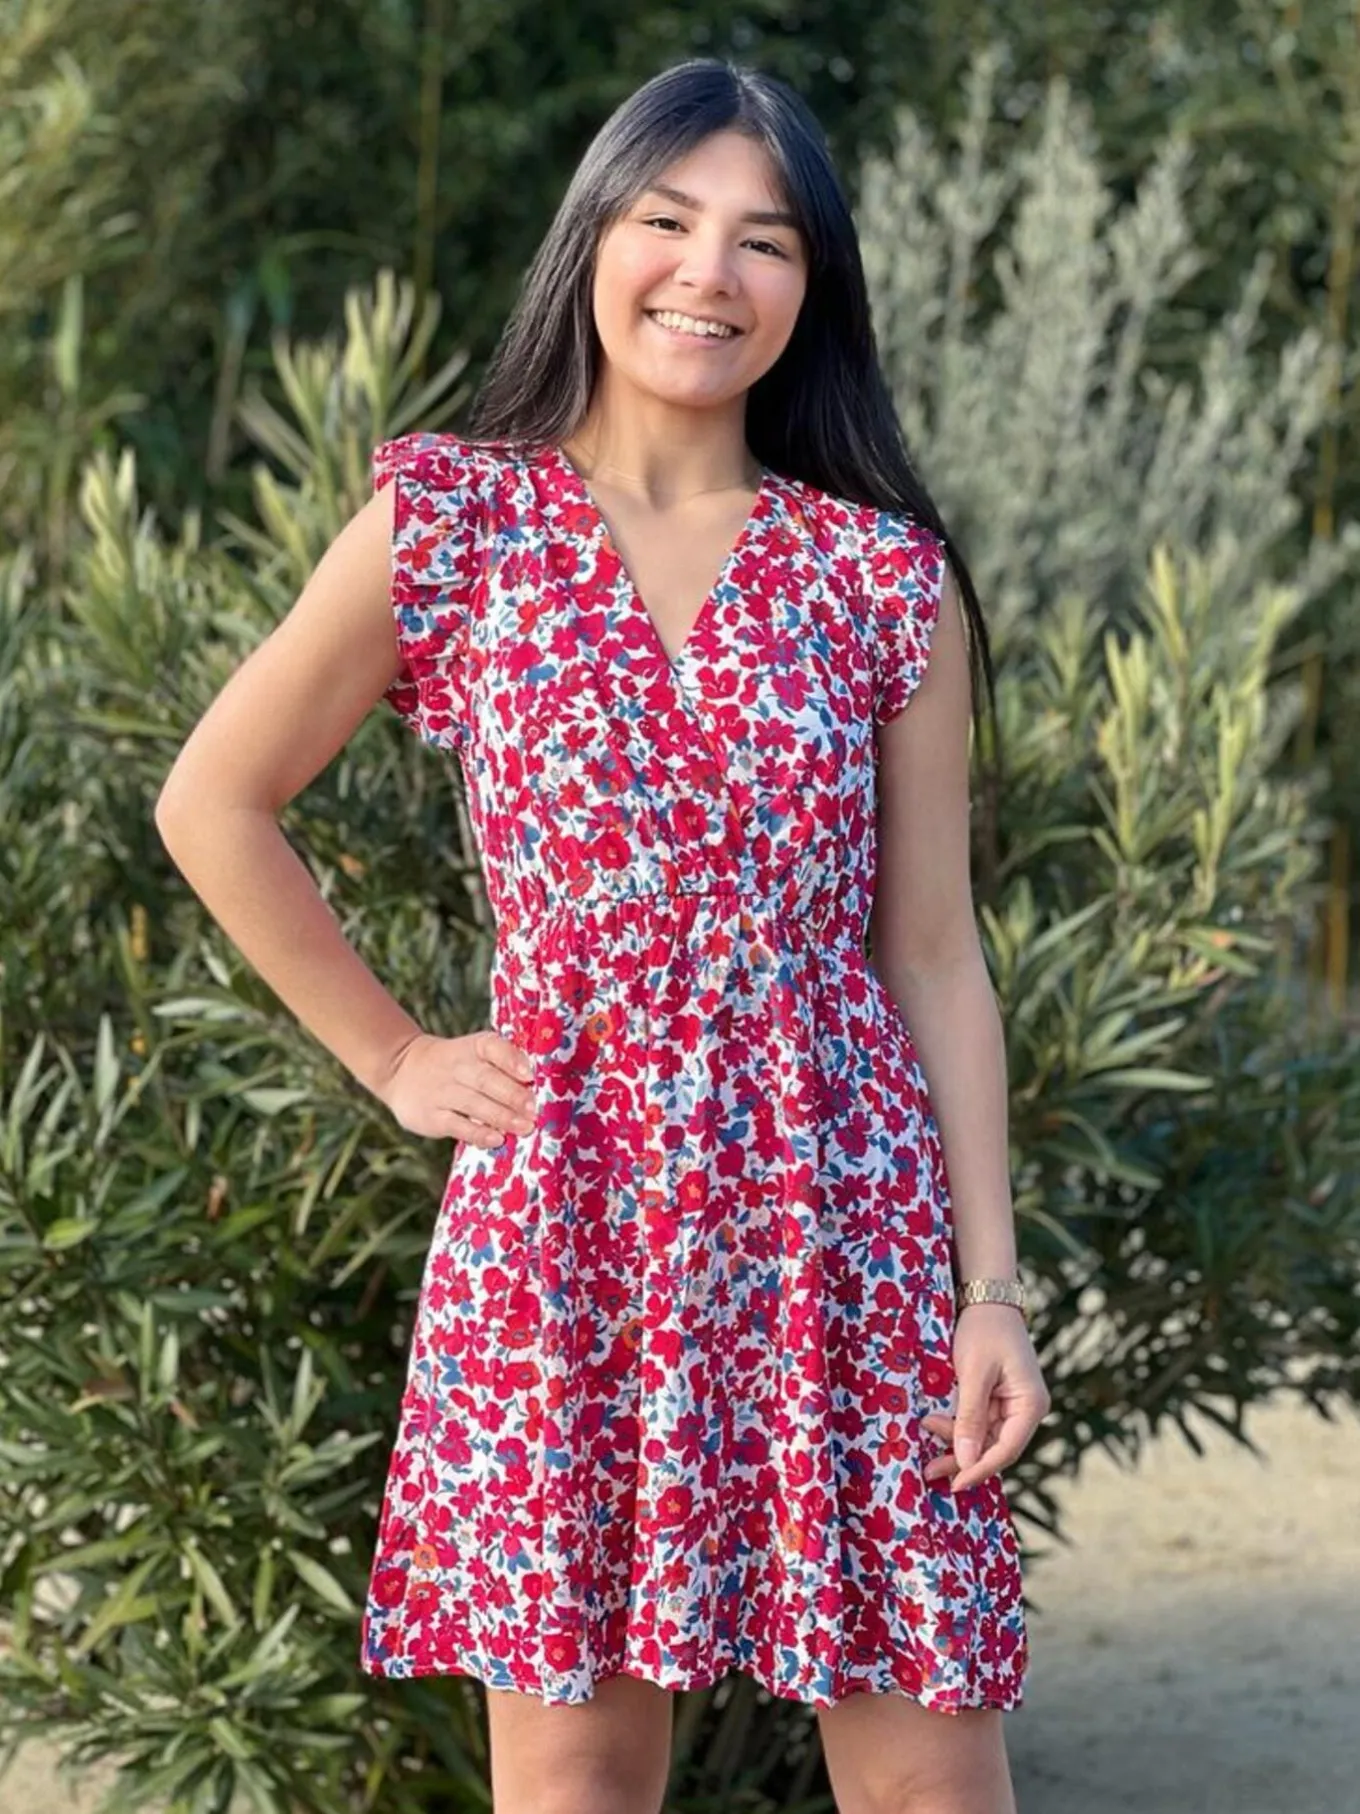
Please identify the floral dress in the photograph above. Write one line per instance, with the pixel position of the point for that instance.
(674, 1346)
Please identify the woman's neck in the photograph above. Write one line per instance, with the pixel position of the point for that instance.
(664, 455)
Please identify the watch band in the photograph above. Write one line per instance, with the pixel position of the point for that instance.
(994, 1291)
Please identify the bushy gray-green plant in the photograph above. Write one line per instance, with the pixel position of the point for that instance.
(1022, 314)
(211, 1238)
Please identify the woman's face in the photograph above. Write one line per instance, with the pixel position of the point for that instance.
(711, 241)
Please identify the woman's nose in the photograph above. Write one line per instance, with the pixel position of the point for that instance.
(708, 264)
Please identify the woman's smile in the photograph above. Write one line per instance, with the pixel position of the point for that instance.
(696, 328)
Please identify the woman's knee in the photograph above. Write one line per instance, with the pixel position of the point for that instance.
(607, 1755)
(887, 1754)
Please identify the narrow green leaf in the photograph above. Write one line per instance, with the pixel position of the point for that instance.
(232, 1741)
(264, 1589)
(68, 1231)
(273, 1102)
(126, 1606)
(1152, 1078)
(211, 1583)
(321, 1581)
(105, 1065)
(91, 1555)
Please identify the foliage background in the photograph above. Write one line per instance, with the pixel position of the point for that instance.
(1112, 255)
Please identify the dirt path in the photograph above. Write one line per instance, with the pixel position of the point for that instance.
(1196, 1652)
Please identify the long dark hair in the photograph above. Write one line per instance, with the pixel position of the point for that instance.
(823, 413)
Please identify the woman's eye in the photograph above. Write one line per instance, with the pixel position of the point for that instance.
(669, 220)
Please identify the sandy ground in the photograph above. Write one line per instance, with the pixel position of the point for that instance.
(1197, 1650)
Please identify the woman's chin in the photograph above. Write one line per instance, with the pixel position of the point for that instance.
(682, 392)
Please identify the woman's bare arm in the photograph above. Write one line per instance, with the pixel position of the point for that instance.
(285, 713)
(929, 954)
(287, 710)
(927, 950)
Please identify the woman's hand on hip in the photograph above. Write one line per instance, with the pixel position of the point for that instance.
(475, 1087)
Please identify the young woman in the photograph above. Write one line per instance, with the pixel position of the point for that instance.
(698, 1381)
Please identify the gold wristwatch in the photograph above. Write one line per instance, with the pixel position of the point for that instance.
(993, 1291)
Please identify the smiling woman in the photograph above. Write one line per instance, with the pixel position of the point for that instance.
(690, 1387)
(691, 306)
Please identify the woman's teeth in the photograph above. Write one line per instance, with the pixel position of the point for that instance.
(690, 324)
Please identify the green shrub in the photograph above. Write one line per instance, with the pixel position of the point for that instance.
(211, 1235)
(212, 1238)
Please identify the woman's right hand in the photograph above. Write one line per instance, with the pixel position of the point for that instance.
(472, 1087)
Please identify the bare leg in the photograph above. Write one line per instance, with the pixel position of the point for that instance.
(886, 1754)
(608, 1755)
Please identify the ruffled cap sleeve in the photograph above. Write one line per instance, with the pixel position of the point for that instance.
(439, 532)
(904, 569)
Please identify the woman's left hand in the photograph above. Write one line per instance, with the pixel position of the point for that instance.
(1002, 1397)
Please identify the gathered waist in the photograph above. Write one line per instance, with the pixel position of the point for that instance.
(799, 905)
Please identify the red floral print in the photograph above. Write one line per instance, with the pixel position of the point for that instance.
(674, 1346)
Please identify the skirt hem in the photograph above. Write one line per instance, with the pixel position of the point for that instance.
(1001, 1700)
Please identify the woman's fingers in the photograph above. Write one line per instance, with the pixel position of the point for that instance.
(476, 1087)
(946, 1466)
(490, 1085)
(473, 1132)
(999, 1450)
(1004, 1443)
(486, 1119)
(484, 1088)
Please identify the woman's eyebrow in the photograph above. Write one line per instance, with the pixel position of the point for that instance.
(759, 217)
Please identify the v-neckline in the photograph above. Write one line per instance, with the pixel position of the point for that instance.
(604, 539)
